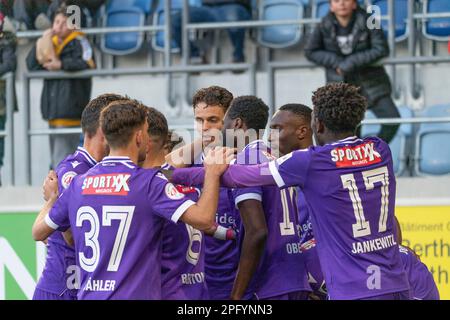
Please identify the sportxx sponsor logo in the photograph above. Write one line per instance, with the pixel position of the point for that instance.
(355, 156)
(185, 190)
(107, 184)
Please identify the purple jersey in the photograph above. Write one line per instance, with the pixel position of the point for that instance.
(420, 278)
(282, 267)
(116, 212)
(350, 188)
(183, 258)
(60, 256)
(222, 257)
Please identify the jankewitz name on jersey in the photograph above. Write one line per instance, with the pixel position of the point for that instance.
(360, 155)
(374, 244)
(106, 184)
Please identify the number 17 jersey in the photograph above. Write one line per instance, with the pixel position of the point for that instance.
(350, 188)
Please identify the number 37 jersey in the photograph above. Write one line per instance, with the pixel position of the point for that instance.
(116, 212)
(350, 189)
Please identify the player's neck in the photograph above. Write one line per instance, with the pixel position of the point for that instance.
(94, 152)
(305, 144)
(130, 152)
(154, 160)
(332, 137)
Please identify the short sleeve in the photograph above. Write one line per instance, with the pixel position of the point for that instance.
(242, 194)
(58, 217)
(292, 169)
(167, 201)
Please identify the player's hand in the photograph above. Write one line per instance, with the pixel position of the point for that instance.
(50, 186)
(217, 160)
(339, 71)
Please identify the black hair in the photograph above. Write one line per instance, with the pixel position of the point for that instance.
(157, 124)
(252, 110)
(340, 106)
(299, 110)
(90, 119)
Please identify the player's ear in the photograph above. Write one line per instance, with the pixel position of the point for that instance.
(139, 137)
(238, 123)
(301, 132)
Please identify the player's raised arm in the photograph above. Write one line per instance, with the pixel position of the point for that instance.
(236, 176)
(50, 194)
(202, 215)
(54, 215)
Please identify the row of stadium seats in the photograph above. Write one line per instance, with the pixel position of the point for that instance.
(128, 13)
(418, 149)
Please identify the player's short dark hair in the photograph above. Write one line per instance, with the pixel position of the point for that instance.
(213, 96)
(90, 119)
(157, 124)
(120, 119)
(299, 110)
(252, 110)
(340, 106)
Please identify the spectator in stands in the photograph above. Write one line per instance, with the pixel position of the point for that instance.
(8, 63)
(63, 100)
(33, 13)
(349, 51)
(217, 11)
(88, 7)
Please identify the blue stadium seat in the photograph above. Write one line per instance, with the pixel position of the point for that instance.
(401, 16)
(145, 5)
(436, 28)
(433, 144)
(118, 4)
(158, 20)
(399, 145)
(320, 8)
(123, 43)
(280, 36)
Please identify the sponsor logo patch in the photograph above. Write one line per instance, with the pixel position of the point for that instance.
(173, 193)
(355, 156)
(107, 185)
(185, 190)
(67, 179)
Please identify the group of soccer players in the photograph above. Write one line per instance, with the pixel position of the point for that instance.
(127, 217)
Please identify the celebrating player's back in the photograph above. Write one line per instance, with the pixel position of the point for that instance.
(115, 211)
(53, 284)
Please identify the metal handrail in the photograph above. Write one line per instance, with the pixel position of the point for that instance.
(9, 127)
(274, 66)
(28, 132)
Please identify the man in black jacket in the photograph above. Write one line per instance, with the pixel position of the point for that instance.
(349, 51)
(8, 63)
(63, 100)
